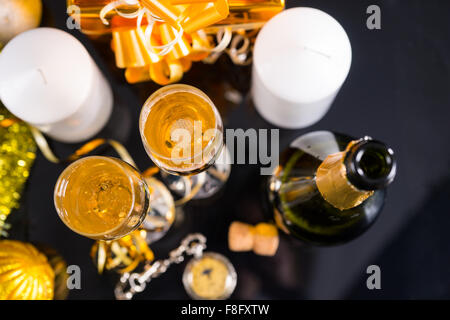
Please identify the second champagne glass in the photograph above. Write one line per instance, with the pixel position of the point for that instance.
(182, 133)
(102, 198)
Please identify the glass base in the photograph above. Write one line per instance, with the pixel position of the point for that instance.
(161, 214)
(204, 184)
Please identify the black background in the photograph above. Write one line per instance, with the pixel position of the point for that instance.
(397, 91)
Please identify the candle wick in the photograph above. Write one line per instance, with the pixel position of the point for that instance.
(316, 51)
(42, 75)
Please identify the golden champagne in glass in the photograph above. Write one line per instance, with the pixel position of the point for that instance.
(101, 198)
(181, 129)
(182, 132)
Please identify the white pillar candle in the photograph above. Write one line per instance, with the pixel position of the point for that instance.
(48, 79)
(301, 59)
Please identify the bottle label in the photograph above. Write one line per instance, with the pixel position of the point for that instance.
(332, 182)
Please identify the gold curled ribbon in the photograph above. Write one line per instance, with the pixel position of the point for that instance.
(122, 255)
(143, 65)
(116, 5)
(203, 14)
(188, 17)
(164, 10)
(162, 51)
(189, 195)
(88, 147)
(238, 46)
(130, 51)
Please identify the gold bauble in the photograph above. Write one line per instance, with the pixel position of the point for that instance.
(17, 16)
(25, 273)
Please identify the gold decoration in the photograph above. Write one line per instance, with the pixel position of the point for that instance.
(25, 273)
(243, 14)
(17, 16)
(332, 182)
(122, 255)
(159, 39)
(88, 147)
(17, 154)
(248, 14)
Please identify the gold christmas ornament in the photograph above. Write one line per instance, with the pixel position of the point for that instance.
(17, 16)
(25, 273)
(17, 154)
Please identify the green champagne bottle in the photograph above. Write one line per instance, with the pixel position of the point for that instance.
(329, 188)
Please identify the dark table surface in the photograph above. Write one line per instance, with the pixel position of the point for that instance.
(397, 91)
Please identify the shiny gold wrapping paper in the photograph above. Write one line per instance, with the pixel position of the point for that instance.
(230, 12)
(195, 18)
(332, 182)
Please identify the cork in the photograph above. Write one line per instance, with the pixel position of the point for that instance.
(240, 236)
(266, 239)
(262, 239)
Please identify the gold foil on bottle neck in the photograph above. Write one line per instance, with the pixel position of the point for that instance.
(332, 182)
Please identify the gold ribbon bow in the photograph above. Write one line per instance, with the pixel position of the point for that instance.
(159, 39)
(142, 64)
(162, 50)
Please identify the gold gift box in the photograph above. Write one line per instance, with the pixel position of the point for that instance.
(242, 13)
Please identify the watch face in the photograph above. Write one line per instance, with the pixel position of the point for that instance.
(210, 277)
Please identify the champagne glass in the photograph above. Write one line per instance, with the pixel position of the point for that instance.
(102, 198)
(182, 132)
